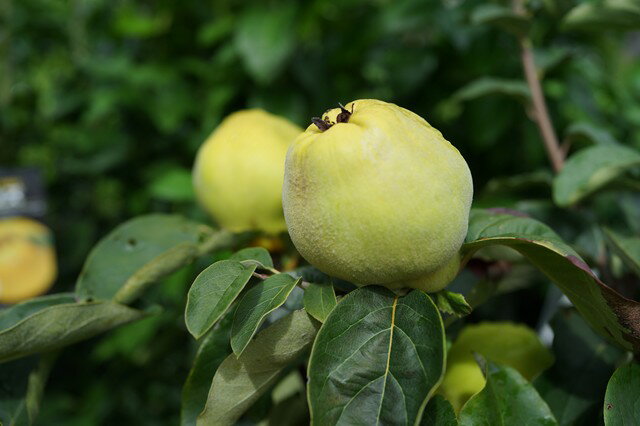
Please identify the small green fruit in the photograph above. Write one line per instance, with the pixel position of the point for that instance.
(504, 343)
(239, 170)
(374, 195)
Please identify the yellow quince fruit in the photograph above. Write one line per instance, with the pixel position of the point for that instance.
(239, 170)
(374, 195)
(504, 343)
(27, 259)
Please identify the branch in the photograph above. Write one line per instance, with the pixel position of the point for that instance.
(541, 114)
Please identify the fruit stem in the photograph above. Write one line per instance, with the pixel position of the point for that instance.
(541, 113)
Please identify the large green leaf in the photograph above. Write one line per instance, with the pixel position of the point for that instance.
(319, 300)
(590, 169)
(606, 14)
(55, 326)
(377, 359)
(240, 381)
(14, 314)
(628, 248)
(212, 292)
(622, 400)
(574, 385)
(214, 349)
(255, 305)
(610, 314)
(507, 399)
(139, 252)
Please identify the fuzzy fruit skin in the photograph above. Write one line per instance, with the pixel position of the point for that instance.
(239, 171)
(382, 199)
(28, 265)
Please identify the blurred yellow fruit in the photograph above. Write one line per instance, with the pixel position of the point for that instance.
(374, 195)
(27, 259)
(504, 343)
(239, 171)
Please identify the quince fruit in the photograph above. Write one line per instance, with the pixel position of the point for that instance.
(374, 195)
(239, 170)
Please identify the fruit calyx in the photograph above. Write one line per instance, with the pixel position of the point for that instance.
(324, 123)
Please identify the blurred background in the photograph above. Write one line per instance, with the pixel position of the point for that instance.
(110, 101)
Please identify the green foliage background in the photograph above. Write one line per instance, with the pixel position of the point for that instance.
(111, 99)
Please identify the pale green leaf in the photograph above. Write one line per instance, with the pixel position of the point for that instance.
(319, 300)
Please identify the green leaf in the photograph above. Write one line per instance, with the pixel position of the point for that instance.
(60, 325)
(265, 39)
(140, 252)
(502, 17)
(622, 400)
(590, 169)
(609, 313)
(507, 399)
(214, 349)
(255, 305)
(240, 381)
(291, 411)
(574, 385)
(452, 303)
(377, 359)
(590, 133)
(628, 248)
(212, 292)
(486, 86)
(604, 15)
(258, 256)
(319, 300)
(16, 313)
(439, 412)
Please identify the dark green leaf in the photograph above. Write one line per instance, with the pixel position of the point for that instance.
(319, 300)
(574, 385)
(291, 411)
(258, 256)
(507, 399)
(622, 400)
(590, 169)
(590, 133)
(609, 313)
(491, 86)
(607, 14)
(628, 248)
(377, 359)
(212, 292)
(502, 17)
(61, 325)
(240, 381)
(255, 305)
(439, 412)
(138, 253)
(214, 349)
(452, 303)
(265, 38)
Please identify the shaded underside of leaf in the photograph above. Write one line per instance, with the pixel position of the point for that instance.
(609, 313)
(377, 359)
(240, 381)
(62, 325)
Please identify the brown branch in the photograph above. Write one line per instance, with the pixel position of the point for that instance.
(541, 113)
